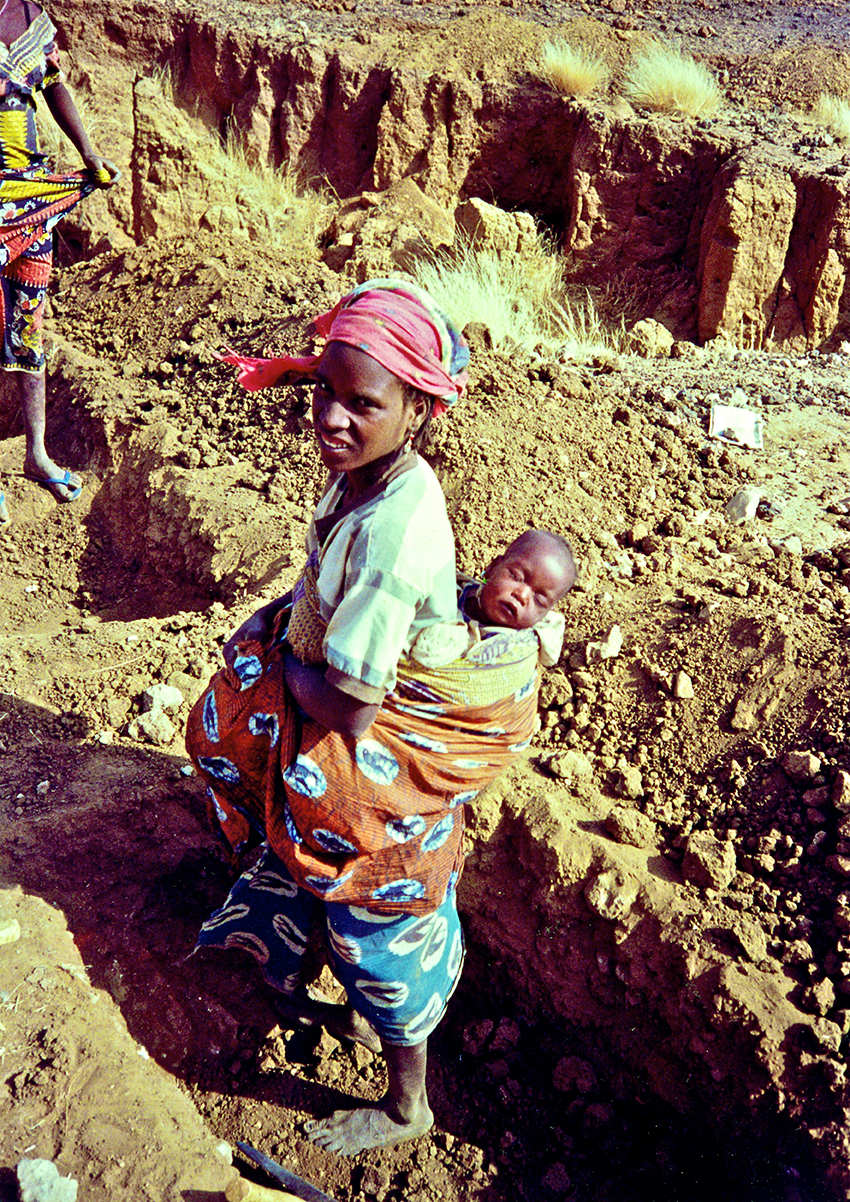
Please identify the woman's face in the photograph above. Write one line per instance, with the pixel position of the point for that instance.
(360, 413)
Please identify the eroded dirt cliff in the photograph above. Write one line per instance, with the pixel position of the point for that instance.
(657, 899)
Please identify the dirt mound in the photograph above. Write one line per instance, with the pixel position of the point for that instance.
(657, 899)
(195, 488)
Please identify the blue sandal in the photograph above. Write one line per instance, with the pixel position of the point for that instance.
(5, 520)
(74, 490)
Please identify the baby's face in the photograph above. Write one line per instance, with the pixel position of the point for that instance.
(522, 586)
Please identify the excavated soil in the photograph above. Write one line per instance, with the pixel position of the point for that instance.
(656, 1000)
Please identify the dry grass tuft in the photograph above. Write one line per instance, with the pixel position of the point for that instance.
(521, 299)
(220, 185)
(274, 197)
(573, 72)
(667, 82)
(833, 113)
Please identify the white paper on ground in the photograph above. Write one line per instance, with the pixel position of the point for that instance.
(731, 423)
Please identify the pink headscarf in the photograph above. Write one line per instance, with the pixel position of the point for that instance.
(393, 321)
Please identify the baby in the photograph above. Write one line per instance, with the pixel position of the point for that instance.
(518, 592)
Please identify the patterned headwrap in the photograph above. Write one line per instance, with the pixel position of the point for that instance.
(393, 321)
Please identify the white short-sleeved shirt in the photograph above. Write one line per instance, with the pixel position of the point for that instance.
(386, 570)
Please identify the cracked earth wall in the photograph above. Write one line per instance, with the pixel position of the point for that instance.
(713, 235)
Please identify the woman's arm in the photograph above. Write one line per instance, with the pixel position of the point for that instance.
(62, 109)
(323, 702)
(257, 628)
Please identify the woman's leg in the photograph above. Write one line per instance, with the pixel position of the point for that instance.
(402, 1113)
(342, 1021)
(399, 972)
(37, 463)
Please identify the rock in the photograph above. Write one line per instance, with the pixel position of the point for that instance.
(744, 244)
(820, 998)
(606, 648)
(475, 1036)
(683, 688)
(117, 709)
(574, 1075)
(555, 689)
(327, 1044)
(362, 1055)
(707, 862)
(751, 937)
(798, 951)
(507, 1036)
(478, 335)
(841, 791)
(611, 895)
(828, 1034)
(628, 781)
(569, 764)
(801, 765)
(816, 799)
(161, 697)
(792, 544)
(742, 507)
(840, 865)
(153, 727)
(39, 1181)
(190, 686)
(628, 825)
(375, 1181)
(744, 716)
(649, 339)
(556, 1179)
(388, 229)
(10, 930)
(489, 228)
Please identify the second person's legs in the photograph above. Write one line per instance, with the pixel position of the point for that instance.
(24, 291)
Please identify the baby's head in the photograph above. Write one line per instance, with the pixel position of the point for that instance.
(530, 577)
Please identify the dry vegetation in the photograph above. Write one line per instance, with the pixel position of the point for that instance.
(60, 152)
(521, 299)
(573, 71)
(834, 114)
(249, 197)
(664, 81)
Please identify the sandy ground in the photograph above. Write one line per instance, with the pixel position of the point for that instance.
(136, 1067)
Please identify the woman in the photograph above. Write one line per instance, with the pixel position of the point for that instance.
(31, 202)
(324, 742)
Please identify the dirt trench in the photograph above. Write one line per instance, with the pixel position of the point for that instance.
(623, 908)
(728, 227)
(655, 900)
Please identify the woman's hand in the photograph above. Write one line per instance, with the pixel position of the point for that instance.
(103, 172)
(325, 703)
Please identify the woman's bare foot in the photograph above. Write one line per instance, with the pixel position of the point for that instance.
(347, 1132)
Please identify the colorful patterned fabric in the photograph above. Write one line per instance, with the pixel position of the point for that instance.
(31, 199)
(398, 971)
(376, 821)
(395, 322)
